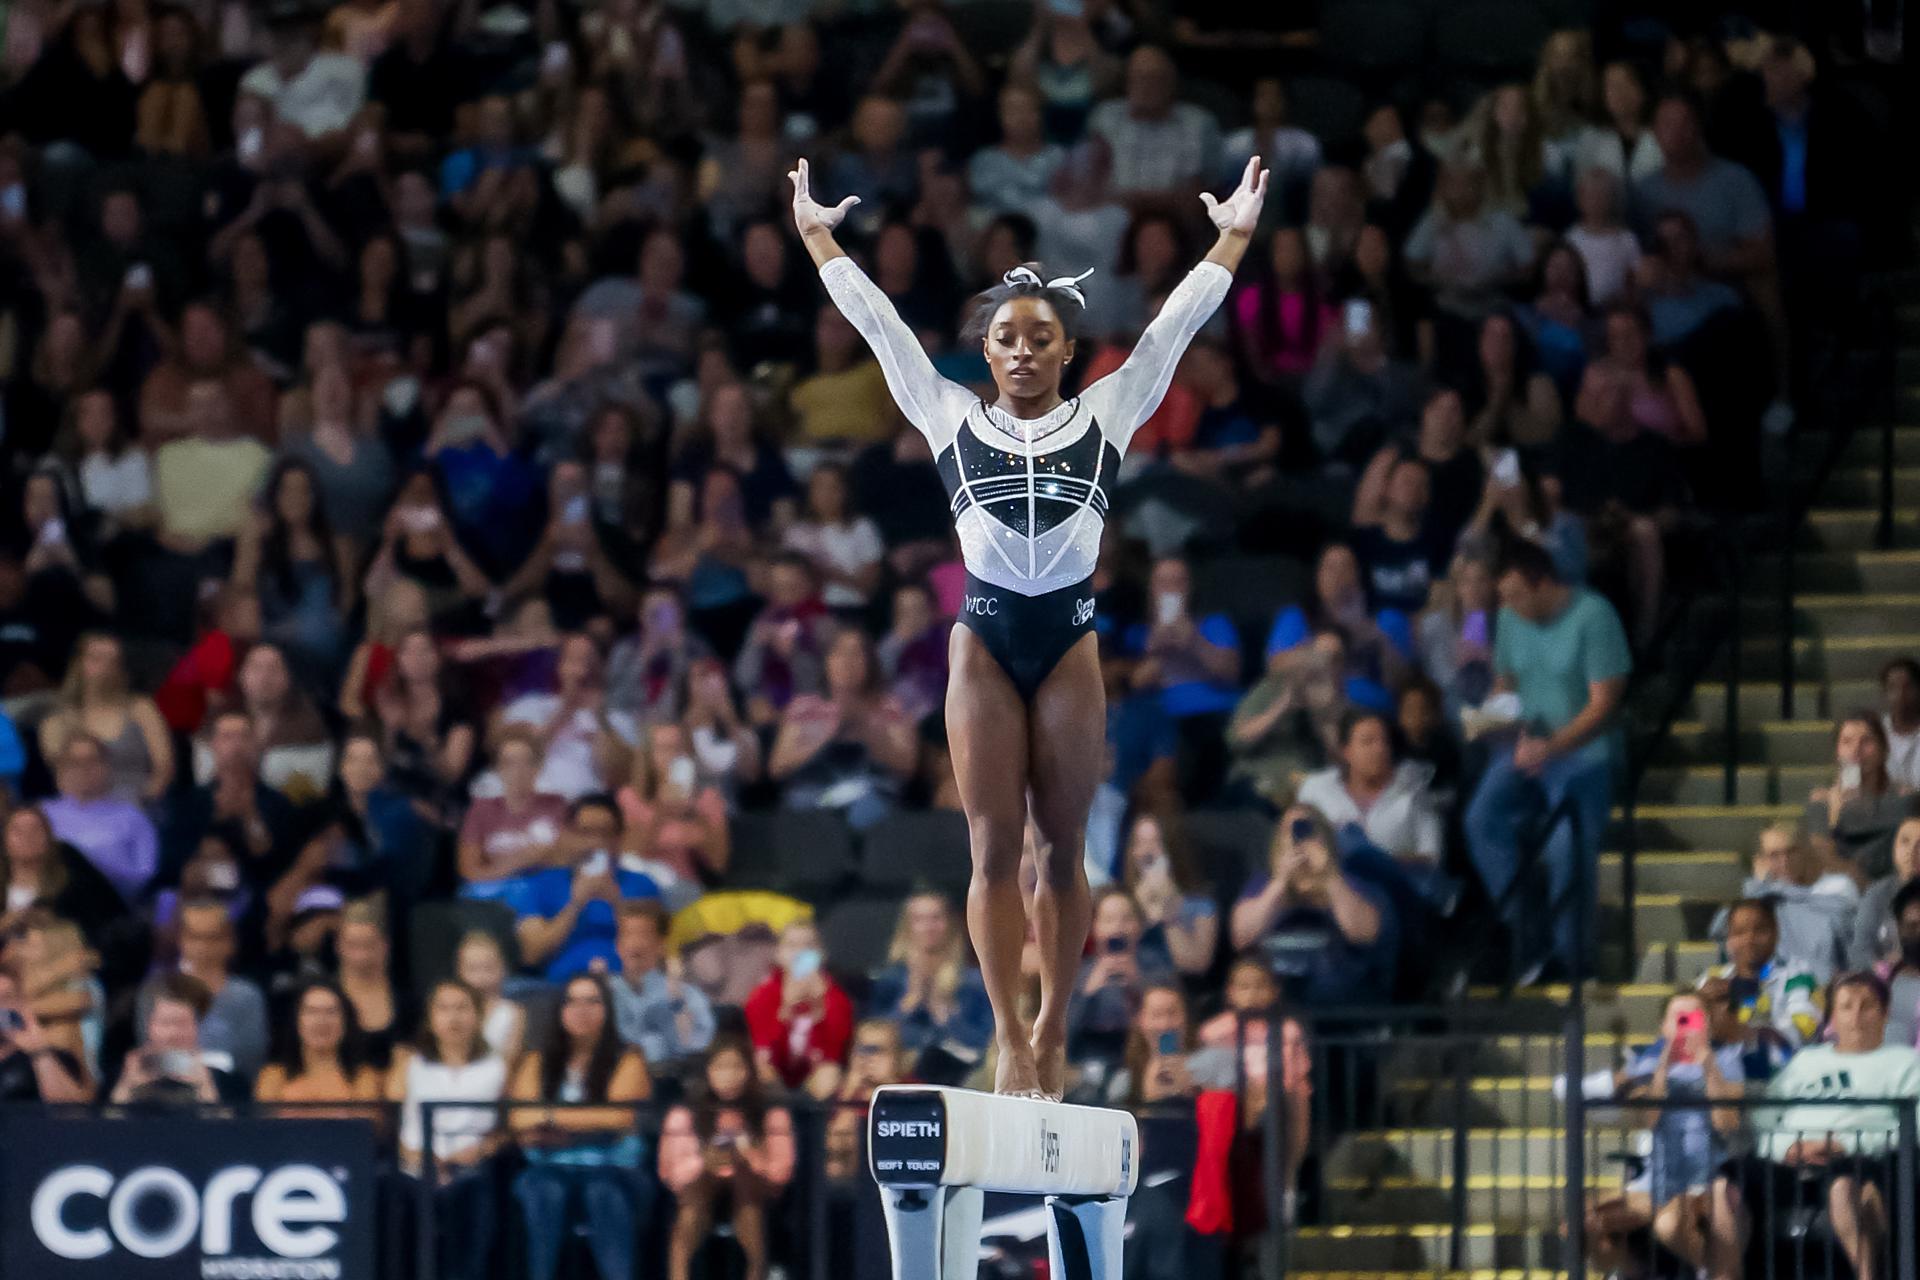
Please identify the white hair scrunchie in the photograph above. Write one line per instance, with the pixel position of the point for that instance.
(1069, 285)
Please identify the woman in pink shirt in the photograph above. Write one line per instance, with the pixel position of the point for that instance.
(1282, 318)
(726, 1141)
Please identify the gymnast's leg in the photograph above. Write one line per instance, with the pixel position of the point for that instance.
(987, 733)
(1067, 736)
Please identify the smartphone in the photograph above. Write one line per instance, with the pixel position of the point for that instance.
(681, 773)
(557, 58)
(1116, 945)
(11, 1023)
(1169, 1043)
(1685, 1027)
(1850, 777)
(575, 512)
(1506, 468)
(596, 864)
(420, 519)
(1302, 829)
(139, 276)
(13, 201)
(1358, 317)
(252, 142)
(1168, 606)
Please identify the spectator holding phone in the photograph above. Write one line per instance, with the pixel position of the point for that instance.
(1863, 806)
(1178, 910)
(667, 1019)
(877, 1059)
(567, 917)
(1777, 997)
(1154, 1069)
(727, 1146)
(31, 1070)
(1874, 917)
(1337, 932)
(168, 1067)
(1112, 980)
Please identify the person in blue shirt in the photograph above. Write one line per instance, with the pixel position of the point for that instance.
(1194, 661)
(568, 919)
(1562, 650)
(928, 990)
(1379, 646)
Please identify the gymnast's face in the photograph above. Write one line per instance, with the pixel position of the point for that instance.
(1027, 348)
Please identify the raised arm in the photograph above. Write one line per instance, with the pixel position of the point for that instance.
(1127, 397)
(930, 402)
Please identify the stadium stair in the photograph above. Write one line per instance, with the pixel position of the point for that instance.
(1388, 1206)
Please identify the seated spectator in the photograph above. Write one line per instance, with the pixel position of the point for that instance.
(1562, 651)
(799, 1018)
(289, 557)
(1160, 145)
(1898, 966)
(726, 751)
(1467, 248)
(1235, 441)
(363, 955)
(913, 652)
(481, 963)
(875, 1060)
(1306, 889)
(204, 480)
(842, 545)
(317, 92)
(352, 468)
(928, 990)
(570, 567)
(1776, 996)
(1182, 924)
(1374, 645)
(1154, 1068)
(1194, 661)
(31, 1069)
(669, 1021)
(450, 1063)
(1358, 395)
(116, 480)
(319, 1056)
(585, 741)
(850, 750)
(113, 834)
(1609, 252)
(1392, 538)
(727, 1140)
(1456, 636)
(1427, 735)
(234, 1026)
(428, 726)
(58, 976)
(728, 436)
(1517, 402)
(1280, 319)
(583, 1165)
(1900, 695)
(208, 358)
(1621, 144)
(647, 671)
(1813, 896)
(706, 556)
(843, 399)
(1291, 154)
(1371, 797)
(1873, 919)
(98, 700)
(1863, 807)
(295, 750)
(1112, 979)
(168, 1067)
(1851, 1145)
(786, 646)
(506, 837)
(665, 790)
(39, 872)
(1013, 176)
(1679, 296)
(567, 912)
(417, 545)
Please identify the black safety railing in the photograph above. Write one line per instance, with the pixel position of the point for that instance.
(1703, 629)
(1807, 1189)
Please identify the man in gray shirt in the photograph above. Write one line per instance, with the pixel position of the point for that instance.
(235, 1023)
(1160, 145)
(667, 1019)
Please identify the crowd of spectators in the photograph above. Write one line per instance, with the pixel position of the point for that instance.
(431, 475)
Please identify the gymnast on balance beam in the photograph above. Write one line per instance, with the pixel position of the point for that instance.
(1028, 478)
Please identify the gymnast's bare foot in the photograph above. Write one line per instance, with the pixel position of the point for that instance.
(1015, 1072)
(1050, 1063)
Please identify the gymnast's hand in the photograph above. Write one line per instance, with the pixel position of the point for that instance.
(1238, 213)
(809, 215)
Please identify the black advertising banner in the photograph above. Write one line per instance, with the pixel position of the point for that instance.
(149, 1197)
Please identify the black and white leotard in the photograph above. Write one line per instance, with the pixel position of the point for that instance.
(1029, 495)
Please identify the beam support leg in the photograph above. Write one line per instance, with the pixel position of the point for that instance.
(1086, 1237)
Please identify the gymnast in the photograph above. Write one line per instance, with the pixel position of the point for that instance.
(1028, 478)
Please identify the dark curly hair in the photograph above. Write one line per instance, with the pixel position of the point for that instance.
(986, 303)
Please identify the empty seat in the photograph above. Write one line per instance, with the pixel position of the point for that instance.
(856, 934)
(802, 852)
(1501, 37)
(434, 931)
(1373, 38)
(1231, 843)
(911, 850)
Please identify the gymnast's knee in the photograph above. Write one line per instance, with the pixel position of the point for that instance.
(997, 843)
(1062, 863)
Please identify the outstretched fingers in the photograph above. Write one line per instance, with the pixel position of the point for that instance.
(801, 186)
(1251, 172)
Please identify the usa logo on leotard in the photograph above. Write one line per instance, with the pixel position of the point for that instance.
(982, 606)
(1082, 612)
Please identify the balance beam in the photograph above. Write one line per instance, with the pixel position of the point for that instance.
(935, 1151)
